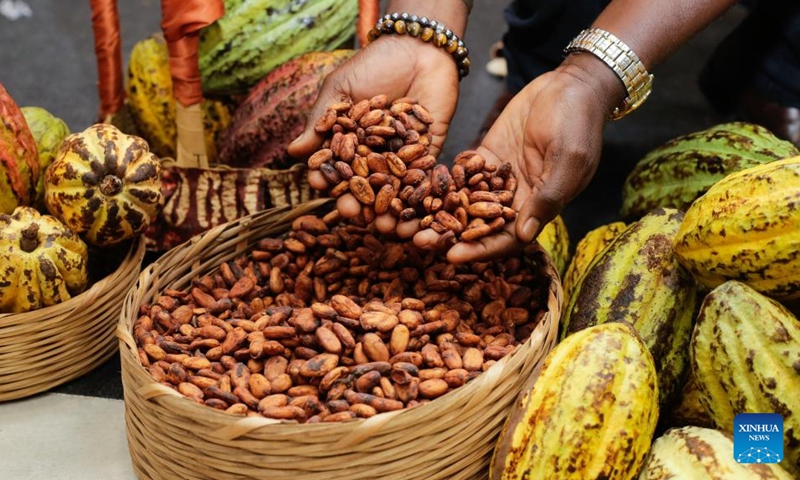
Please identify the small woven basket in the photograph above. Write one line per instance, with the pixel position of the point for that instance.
(42, 349)
(171, 437)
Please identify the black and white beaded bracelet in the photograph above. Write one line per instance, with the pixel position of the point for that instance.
(429, 31)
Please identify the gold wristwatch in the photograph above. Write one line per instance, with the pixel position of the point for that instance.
(621, 59)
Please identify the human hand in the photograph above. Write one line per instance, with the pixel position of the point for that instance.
(551, 133)
(397, 66)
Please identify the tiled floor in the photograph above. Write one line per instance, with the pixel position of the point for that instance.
(47, 59)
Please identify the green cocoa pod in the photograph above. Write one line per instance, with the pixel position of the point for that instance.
(19, 162)
(680, 171)
(256, 36)
(745, 357)
(48, 131)
(637, 279)
(694, 452)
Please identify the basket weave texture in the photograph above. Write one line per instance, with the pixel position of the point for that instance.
(42, 349)
(171, 437)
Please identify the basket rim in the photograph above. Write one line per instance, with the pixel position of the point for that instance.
(231, 427)
(170, 162)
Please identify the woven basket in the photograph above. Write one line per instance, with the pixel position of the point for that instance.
(171, 437)
(45, 348)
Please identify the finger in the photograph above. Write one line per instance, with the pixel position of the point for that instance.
(427, 239)
(348, 206)
(386, 223)
(487, 248)
(309, 141)
(317, 180)
(565, 176)
(408, 229)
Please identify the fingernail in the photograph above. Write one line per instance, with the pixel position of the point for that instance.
(529, 229)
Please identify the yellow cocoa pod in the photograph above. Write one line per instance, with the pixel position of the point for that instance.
(149, 93)
(637, 279)
(746, 358)
(687, 409)
(554, 238)
(694, 452)
(591, 413)
(587, 249)
(746, 228)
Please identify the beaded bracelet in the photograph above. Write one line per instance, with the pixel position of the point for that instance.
(427, 31)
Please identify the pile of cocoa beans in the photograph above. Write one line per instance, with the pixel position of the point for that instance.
(380, 153)
(333, 322)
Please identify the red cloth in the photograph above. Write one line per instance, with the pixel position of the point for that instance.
(181, 21)
(107, 47)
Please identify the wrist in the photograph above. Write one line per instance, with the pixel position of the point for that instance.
(452, 13)
(592, 71)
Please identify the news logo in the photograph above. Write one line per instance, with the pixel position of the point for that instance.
(758, 438)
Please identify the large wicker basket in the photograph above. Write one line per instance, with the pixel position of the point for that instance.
(171, 437)
(45, 348)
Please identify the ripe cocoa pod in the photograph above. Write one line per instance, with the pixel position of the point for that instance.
(551, 440)
(745, 354)
(694, 452)
(638, 279)
(745, 228)
(684, 168)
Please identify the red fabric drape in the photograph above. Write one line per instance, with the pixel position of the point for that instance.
(107, 46)
(181, 21)
(368, 13)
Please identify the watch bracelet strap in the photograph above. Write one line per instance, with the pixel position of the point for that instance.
(622, 60)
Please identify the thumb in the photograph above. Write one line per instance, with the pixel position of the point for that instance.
(309, 140)
(545, 201)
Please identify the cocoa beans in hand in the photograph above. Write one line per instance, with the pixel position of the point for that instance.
(384, 150)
